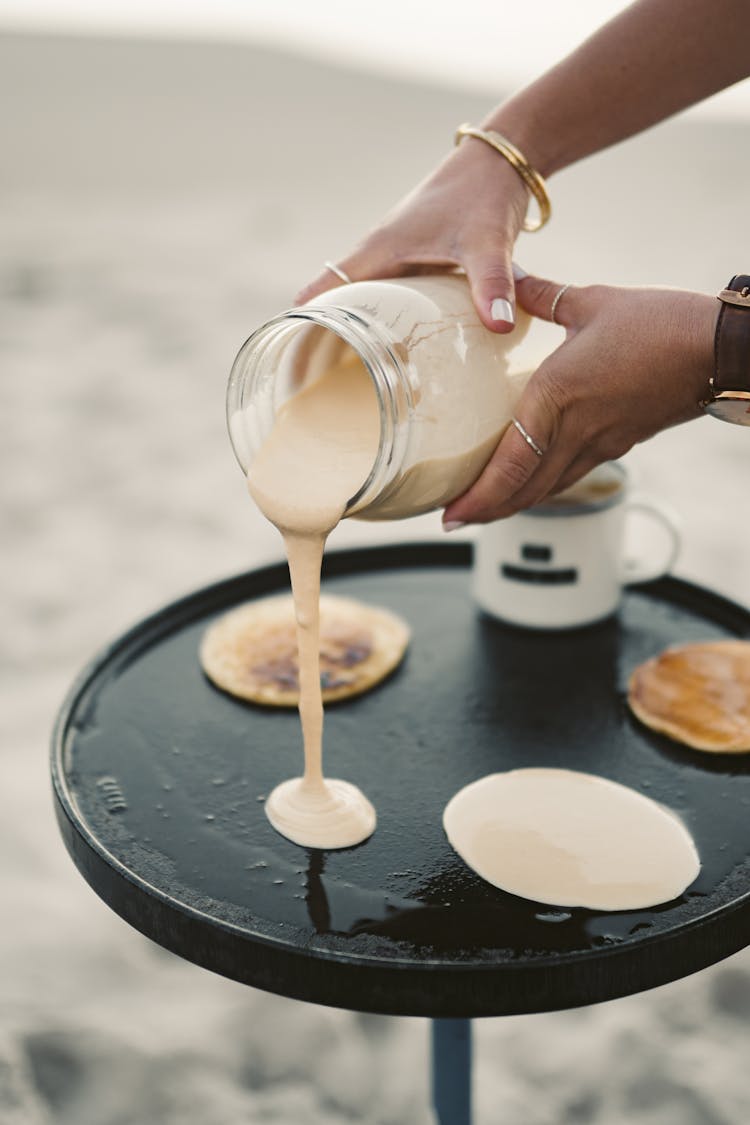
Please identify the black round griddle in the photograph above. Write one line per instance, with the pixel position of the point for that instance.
(159, 782)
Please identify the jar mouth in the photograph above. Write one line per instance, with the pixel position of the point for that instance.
(393, 392)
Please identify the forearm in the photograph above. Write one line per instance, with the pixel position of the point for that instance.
(652, 60)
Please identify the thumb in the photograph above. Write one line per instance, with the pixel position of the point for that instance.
(490, 274)
(548, 300)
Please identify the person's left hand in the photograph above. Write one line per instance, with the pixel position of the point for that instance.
(634, 362)
(465, 215)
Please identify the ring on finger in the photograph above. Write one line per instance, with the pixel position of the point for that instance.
(528, 438)
(558, 296)
(341, 274)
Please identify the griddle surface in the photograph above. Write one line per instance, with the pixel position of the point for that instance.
(160, 779)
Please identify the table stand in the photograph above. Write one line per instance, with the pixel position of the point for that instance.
(451, 1071)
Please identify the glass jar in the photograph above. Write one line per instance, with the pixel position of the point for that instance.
(446, 386)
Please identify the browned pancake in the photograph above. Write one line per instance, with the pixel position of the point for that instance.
(251, 652)
(698, 694)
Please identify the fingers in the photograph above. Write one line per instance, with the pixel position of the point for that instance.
(324, 281)
(516, 476)
(549, 300)
(514, 479)
(321, 284)
(490, 274)
(376, 261)
(357, 267)
(579, 467)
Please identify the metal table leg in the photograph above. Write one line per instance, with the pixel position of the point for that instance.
(451, 1071)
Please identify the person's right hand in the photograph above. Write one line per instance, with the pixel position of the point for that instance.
(466, 215)
(634, 362)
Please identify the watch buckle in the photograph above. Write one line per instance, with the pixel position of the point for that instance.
(731, 297)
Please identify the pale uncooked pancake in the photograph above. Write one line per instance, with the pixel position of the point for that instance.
(251, 652)
(698, 694)
(571, 839)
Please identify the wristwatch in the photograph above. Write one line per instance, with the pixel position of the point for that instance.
(730, 385)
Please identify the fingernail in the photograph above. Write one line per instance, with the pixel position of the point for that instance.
(453, 525)
(500, 309)
(518, 273)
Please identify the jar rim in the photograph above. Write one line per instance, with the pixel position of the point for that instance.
(393, 390)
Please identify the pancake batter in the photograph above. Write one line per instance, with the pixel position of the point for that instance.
(569, 838)
(319, 453)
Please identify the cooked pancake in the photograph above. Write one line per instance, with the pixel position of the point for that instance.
(251, 652)
(698, 694)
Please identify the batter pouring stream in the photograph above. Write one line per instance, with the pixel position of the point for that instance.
(320, 451)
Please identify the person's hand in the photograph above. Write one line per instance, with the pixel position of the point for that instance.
(634, 362)
(467, 214)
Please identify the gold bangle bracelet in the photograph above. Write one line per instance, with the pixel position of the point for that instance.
(534, 182)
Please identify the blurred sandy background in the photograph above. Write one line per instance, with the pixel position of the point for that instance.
(157, 202)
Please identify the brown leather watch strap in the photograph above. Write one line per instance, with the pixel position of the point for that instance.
(732, 339)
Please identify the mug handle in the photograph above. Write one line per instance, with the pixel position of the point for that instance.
(640, 570)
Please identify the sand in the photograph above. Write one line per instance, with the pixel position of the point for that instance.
(156, 203)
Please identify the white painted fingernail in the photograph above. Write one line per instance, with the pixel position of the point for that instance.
(500, 309)
(518, 273)
(453, 525)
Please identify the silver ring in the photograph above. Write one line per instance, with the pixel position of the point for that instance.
(338, 271)
(556, 302)
(528, 438)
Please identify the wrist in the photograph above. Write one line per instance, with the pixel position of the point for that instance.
(525, 127)
(700, 331)
(532, 180)
(475, 162)
(729, 391)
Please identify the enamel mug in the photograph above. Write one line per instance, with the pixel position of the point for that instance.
(562, 564)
